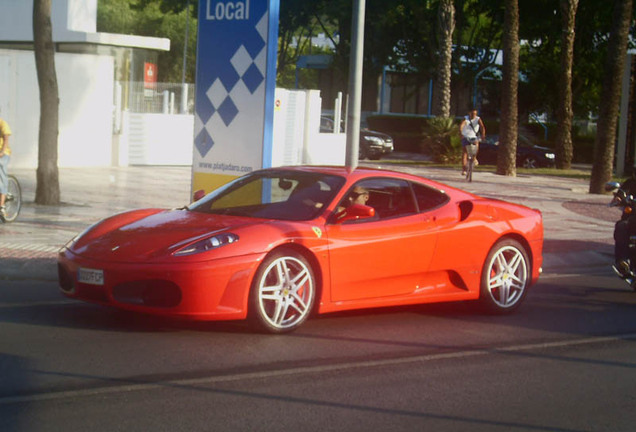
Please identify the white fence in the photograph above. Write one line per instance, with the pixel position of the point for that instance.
(153, 126)
(165, 98)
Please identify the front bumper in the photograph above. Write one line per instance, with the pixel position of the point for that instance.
(208, 290)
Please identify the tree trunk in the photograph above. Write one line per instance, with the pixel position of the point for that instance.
(610, 97)
(47, 189)
(445, 29)
(564, 147)
(507, 154)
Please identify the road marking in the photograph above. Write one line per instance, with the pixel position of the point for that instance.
(36, 304)
(52, 396)
(601, 271)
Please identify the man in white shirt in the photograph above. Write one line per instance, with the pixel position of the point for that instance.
(471, 129)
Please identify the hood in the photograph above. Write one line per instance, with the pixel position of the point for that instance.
(543, 149)
(139, 236)
(368, 132)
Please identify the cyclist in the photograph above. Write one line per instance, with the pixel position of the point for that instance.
(471, 129)
(5, 152)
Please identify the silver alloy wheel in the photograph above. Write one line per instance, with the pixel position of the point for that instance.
(285, 293)
(530, 162)
(507, 276)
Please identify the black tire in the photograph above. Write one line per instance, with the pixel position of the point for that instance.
(282, 294)
(505, 277)
(13, 202)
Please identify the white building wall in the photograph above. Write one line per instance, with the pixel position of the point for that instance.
(86, 109)
(297, 137)
(159, 139)
(16, 18)
(85, 85)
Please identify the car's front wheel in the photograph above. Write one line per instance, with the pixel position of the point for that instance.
(505, 277)
(283, 293)
(529, 162)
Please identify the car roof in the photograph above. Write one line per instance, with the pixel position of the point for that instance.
(343, 171)
(359, 173)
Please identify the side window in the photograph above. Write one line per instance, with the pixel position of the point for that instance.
(389, 197)
(428, 198)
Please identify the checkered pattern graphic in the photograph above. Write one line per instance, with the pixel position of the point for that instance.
(236, 81)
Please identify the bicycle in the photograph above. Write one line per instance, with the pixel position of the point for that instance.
(13, 200)
(471, 151)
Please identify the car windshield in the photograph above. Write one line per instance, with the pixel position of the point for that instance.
(273, 194)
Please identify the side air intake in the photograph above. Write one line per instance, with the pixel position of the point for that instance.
(465, 209)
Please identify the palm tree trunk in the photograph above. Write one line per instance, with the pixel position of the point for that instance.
(564, 147)
(445, 29)
(610, 97)
(507, 156)
(47, 190)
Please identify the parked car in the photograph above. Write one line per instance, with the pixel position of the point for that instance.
(277, 244)
(528, 154)
(373, 144)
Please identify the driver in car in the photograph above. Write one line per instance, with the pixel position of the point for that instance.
(358, 195)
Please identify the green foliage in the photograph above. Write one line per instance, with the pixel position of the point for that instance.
(440, 139)
(116, 16)
(157, 18)
(540, 25)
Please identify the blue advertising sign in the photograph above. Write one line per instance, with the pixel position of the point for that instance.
(235, 84)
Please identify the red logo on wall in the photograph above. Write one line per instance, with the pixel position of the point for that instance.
(150, 75)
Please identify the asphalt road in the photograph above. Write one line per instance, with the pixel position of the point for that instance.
(566, 361)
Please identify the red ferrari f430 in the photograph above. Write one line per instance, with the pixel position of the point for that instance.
(277, 244)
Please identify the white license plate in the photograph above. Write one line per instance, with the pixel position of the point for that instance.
(90, 276)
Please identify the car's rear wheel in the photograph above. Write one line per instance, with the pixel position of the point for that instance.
(505, 277)
(283, 293)
(529, 162)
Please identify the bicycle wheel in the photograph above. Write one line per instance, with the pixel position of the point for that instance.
(469, 169)
(13, 201)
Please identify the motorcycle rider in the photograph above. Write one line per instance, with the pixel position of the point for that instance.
(623, 229)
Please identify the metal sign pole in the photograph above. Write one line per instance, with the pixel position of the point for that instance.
(355, 84)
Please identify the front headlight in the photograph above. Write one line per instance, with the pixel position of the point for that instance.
(374, 140)
(207, 244)
(549, 155)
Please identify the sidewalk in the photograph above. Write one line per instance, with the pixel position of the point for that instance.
(578, 226)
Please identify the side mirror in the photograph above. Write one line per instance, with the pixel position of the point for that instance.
(199, 194)
(611, 186)
(355, 212)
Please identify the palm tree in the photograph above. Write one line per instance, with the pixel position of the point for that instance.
(564, 148)
(610, 96)
(506, 158)
(47, 190)
(445, 29)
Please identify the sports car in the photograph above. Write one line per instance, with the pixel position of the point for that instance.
(278, 244)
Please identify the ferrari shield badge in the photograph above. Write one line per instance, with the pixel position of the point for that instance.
(317, 231)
